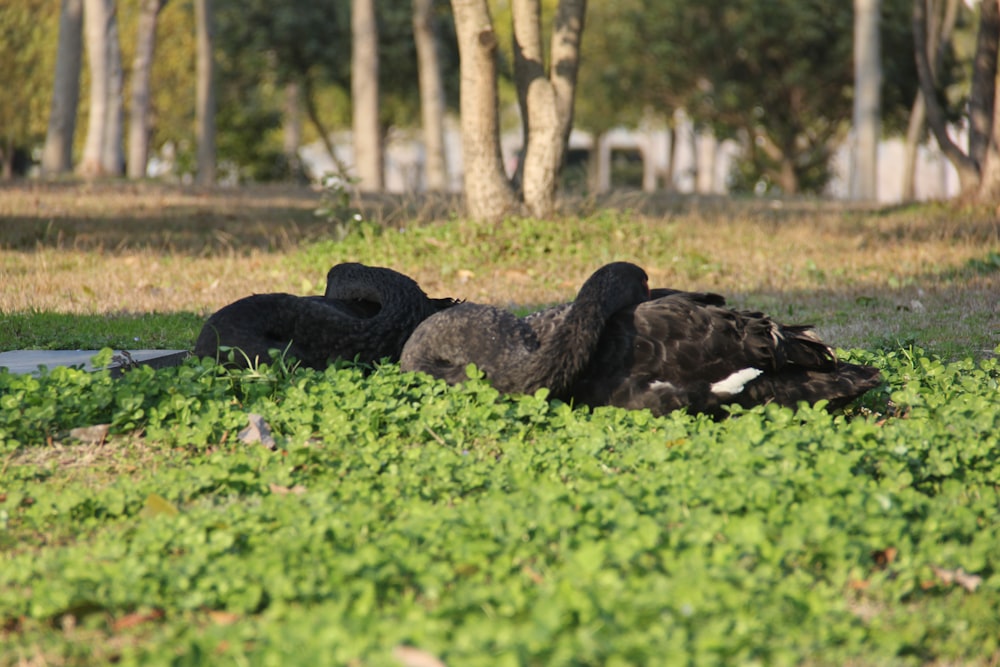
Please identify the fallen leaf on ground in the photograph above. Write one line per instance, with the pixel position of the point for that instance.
(223, 617)
(90, 434)
(157, 504)
(257, 431)
(414, 657)
(969, 582)
(136, 618)
(884, 557)
(279, 490)
(533, 575)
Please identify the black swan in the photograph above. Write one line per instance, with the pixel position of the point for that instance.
(687, 351)
(520, 355)
(367, 313)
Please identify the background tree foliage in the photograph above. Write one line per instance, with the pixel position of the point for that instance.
(26, 67)
(619, 78)
(172, 84)
(776, 75)
(265, 45)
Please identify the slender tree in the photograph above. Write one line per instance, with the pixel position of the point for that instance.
(989, 185)
(777, 76)
(984, 71)
(620, 83)
(205, 91)
(57, 155)
(291, 129)
(867, 104)
(102, 151)
(978, 173)
(432, 102)
(546, 95)
(488, 193)
(939, 31)
(365, 96)
(25, 34)
(142, 67)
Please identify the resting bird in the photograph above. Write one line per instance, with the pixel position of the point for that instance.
(366, 314)
(520, 355)
(688, 351)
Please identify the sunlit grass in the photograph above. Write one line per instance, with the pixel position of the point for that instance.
(928, 273)
(401, 510)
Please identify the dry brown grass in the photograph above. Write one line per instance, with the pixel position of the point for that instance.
(106, 248)
(155, 248)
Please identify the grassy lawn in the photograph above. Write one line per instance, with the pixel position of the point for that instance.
(927, 275)
(395, 519)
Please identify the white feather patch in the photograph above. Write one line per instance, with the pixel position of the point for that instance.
(661, 384)
(734, 384)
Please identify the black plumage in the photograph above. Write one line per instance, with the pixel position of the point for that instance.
(520, 355)
(366, 314)
(689, 351)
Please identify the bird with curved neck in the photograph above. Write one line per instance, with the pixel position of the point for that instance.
(521, 355)
(686, 351)
(367, 313)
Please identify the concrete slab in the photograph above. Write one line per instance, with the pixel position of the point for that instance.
(28, 361)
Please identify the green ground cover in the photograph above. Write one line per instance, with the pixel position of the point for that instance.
(487, 530)
(141, 524)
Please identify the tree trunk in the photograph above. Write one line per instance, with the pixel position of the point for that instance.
(984, 71)
(114, 139)
(488, 194)
(291, 130)
(867, 84)
(96, 16)
(708, 153)
(914, 133)
(205, 91)
(364, 96)
(309, 98)
(594, 163)
(989, 186)
(431, 95)
(967, 168)
(7, 159)
(102, 151)
(546, 98)
(668, 171)
(788, 180)
(57, 156)
(139, 126)
(783, 154)
(938, 37)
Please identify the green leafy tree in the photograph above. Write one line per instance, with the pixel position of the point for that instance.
(620, 81)
(57, 154)
(369, 163)
(205, 91)
(172, 85)
(140, 101)
(612, 78)
(777, 75)
(264, 46)
(25, 62)
(103, 148)
(978, 166)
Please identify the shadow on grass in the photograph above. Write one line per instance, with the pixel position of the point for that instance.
(115, 217)
(120, 216)
(62, 331)
(952, 322)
